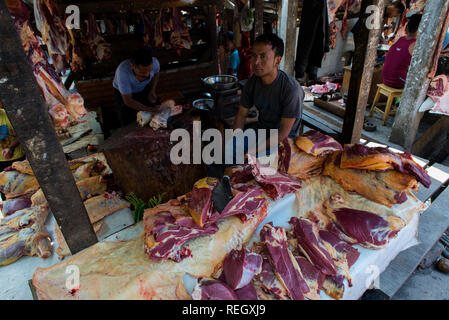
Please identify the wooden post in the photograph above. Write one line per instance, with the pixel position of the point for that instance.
(212, 26)
(408, 118)
(290, 37)
(258, 18)
(27, 111)
(366, 41)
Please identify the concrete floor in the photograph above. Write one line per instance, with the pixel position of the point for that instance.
(427, 284)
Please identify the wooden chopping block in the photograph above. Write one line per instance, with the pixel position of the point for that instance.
(331, 106)
(140, 161)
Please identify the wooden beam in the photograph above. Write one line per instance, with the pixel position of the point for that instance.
(408, 117)
(366, 41)
(212, 25)
(258, 18)
(28, 114)
(290, 37)
(112, 6)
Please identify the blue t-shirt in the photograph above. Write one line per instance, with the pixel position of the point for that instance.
(125, 81)
(235, 60)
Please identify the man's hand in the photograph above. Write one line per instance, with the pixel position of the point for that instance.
(240, 118)
(8, 153)
(152, 97)
(286, 127)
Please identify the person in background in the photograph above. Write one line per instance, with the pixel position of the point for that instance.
(394, 10)
(234, 60)
(392, 16)
(11, 150)
(277, 96)
(397, 61)
(135, 85)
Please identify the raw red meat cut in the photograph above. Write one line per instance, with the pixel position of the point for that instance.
(283, 262)
(367, 229)
(247, 293)
(334, 286)
(239, 174)
(168, 228)
(410, 167)
(200, 205)
(315, 143)
(211, 289)
(285, 155)
(303, 165)
(341, 247)
(275, 184)
(311, 245)
(240, 266)
(344, 256)
(312, 276)
(360, 157)
(324, 88)
(246, 204)
(270, 283)
(387, 188)
(438, 87)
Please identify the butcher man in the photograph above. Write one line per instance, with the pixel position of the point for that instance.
(277, 96)
(135, 85)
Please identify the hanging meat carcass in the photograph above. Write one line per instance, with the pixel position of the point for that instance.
(99, 47)
(180, 37)
(59, 99)
(158, 37)
(54, 32)
(148, 30)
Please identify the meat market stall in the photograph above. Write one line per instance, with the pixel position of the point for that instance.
(321, 225)
(304, 234)
(181, 35)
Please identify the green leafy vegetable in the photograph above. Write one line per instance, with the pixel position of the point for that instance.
(140, 206)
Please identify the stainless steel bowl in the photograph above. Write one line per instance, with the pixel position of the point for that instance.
(223, 82)
(203, 104)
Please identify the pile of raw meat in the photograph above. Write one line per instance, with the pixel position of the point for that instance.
(316, 252)
(198, 246)
(328, 87)
(25, 210)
